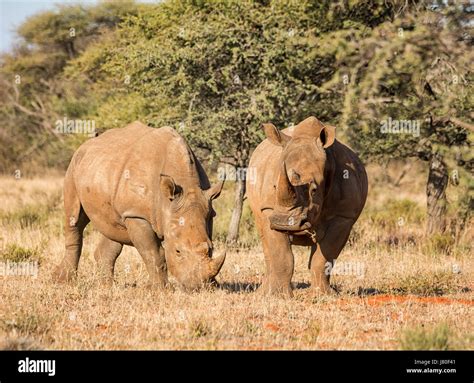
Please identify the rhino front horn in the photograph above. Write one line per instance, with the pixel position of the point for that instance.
(216, 265)
(286, 195)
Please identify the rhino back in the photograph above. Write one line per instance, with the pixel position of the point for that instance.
(117, 174)
(264, 164)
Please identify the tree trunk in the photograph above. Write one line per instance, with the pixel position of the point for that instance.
(436, 194)
(70, 49)
(233, 234)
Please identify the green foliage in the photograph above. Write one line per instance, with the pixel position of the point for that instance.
(119, 111)
(438, 283)
(26, 216)
(32, 215)
(409, 69)
(440, 243)
(223, 205)
(396, 213)
(420, 338)
(34, 94)
(16, 253)
(215, 70)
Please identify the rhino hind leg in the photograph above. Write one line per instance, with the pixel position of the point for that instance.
(149, 247)
(76, 222)
(325, 252)
(106, 254)
(279, 259)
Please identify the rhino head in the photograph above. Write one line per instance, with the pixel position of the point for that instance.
(187, 228)
(302, 174)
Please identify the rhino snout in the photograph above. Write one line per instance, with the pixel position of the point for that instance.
(201, 272)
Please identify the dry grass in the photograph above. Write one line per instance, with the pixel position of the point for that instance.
(402, 291)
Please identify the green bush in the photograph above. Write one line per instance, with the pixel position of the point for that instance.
(27, 216)
(419, 338)
(438, 283)
(396, 213)
(33, 215)
(439, 243)
(16, 253)
(248, 236)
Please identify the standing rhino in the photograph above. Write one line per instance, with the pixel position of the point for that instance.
(142, 187)
(308, 190)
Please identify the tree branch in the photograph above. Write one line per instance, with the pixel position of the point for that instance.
(454, 120)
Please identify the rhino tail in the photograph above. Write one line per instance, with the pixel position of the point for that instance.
(72, 203)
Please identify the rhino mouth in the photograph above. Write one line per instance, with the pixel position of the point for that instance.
(289, 222)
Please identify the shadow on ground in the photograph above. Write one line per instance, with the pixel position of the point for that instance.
(369, 291)
(237, 287)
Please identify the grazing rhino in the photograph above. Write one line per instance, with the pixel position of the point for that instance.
(308, 190)
(142, 187)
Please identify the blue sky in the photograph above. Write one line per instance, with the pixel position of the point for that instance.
(14, 12)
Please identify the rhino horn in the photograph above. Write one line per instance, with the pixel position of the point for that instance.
(286, 195)
(216, 265)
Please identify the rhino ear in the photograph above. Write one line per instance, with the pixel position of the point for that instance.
(215, 190)
(327, 135)
(168, 187)
(275, 136)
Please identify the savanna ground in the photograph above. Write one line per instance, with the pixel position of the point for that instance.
(397, 288)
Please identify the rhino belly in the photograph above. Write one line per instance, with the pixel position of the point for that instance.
(99, 208)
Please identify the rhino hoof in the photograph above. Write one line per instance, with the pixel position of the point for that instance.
(61, 275)
(159, 286)
(277, 290)
(323, 291)
(106, 283)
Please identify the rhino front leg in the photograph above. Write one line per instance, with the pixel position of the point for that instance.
(279, 259)
(325, 252)
(106, 254)
(148, 245)
(319, 267)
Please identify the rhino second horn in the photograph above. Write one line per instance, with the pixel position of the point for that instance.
(216, 265)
